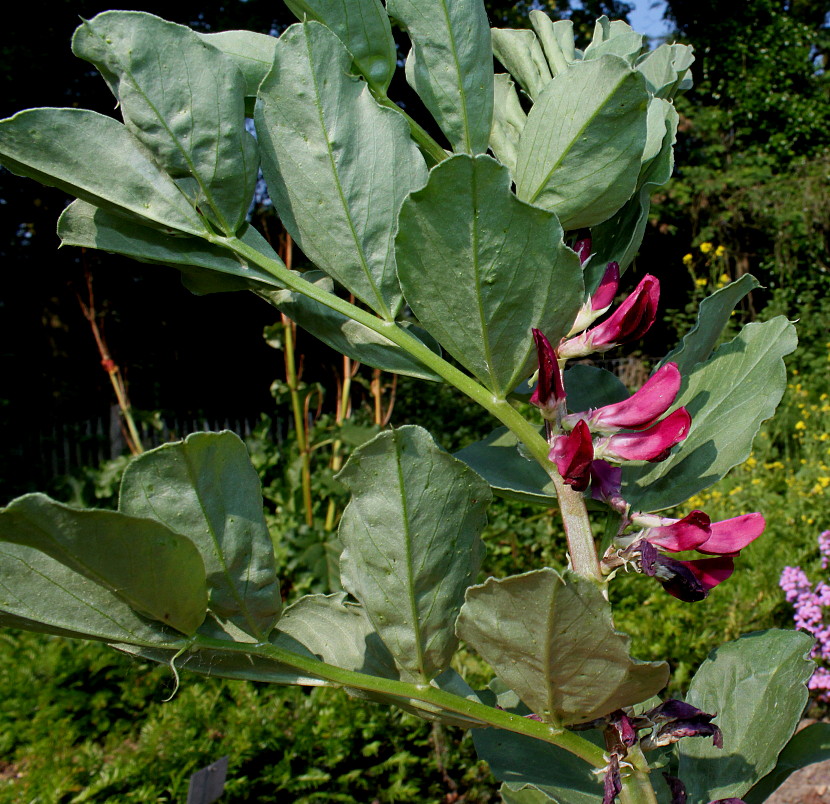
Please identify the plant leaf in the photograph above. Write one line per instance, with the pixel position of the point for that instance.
(712, 317)
(412, 544)
(39, 593)
(79, 152)
(728, 397)
(155, 571)
(253, 54)
(205, 488)
(810, 745)
(618, 239)
(528, 794)
(592, 387)
(550, 638)
(338, 165)
(510, 475)
(557, 39)
(184, 100)
(508, 121)
(363, 28)
(349, 336)
(480, 269)
(757, 687)
(88, 226)
(665, 68)
(450, 66)
(580, 151)
(615, 38)
(522, 56)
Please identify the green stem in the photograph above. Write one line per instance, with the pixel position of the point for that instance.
(420, 693)
(637, 787)
(574, 514)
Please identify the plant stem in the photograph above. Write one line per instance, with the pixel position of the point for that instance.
(574, 514)
(427, 144)
(637, 787)
(419, 693)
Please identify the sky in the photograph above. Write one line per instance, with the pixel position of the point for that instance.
(647, 17)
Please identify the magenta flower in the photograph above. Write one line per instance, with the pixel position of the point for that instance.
(631, 320)
(573, 454)
(549, 394)
(689, 581)
(583, 249)
(730, 536)
(642, 409)
(682, 534)
(651, 445)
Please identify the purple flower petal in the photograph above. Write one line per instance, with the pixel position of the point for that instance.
(613, 782)
(685, 534)
(677, 788)
(550, 391)
(607, 288)
(583, 249)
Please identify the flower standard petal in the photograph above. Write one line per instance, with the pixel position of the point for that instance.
(572, 454)
(651, 445)
(730, 536)
(685, 534)
(602, 297)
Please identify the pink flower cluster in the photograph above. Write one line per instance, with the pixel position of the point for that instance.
(810, 602)
(588, 446)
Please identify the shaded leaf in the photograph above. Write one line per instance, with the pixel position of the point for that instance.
(728, 397)
(580, 151)
(155, 571)
(557, 39)
(522, 56)
(712, 317)
(757, 687)
(205, 488)
(450, 66)
(592, 387)
(550, 638)
(810, 745)
(619, 237)
(508, 121)
(348, 336)
(666, 68)
(39, 593)
(498, 460)
(480, 269)
(338, 165)
(79, 152)
(411, 534)
(88, 226)
(253, 54)
(184, 100)
(528, 794)
(363, 28)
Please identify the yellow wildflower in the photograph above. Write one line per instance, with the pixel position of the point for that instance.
(725, 278)
(688, 259)
(705, 247)
(799, 425)
(720, 251)
(701, 282)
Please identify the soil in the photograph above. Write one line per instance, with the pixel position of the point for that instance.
(810, 785)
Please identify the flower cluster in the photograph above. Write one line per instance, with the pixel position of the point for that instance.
(809, 603)
(589, 446)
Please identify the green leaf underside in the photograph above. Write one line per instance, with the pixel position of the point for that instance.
(580, 151)
(480, 269)
(79, 152)
(728, 397)
(508, 121)
(183, 99)
(618, 239)
(82, 224)
(411, 534)
(811, 744)
(253, 54)
(550, 639)
(497, 459)
(338, 165)
(757, 687)
(666, 68)
(363, 28)
(347, 335)
(615, 38)
(40, 593)
(713, 315)
(155, 571)
(450, 66)
(522, 56)
(206, 488)
(528, 794)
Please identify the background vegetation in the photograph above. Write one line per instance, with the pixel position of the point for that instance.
(79, 722)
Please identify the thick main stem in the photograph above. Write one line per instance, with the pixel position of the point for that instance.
(637, 787)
